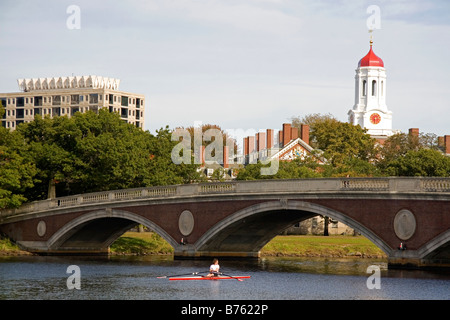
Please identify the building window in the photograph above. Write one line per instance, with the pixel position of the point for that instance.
(374, 88)
(56, 100)
(93, 98)
(20, 102)
(125, 101)
(364, 88)
(38, 101)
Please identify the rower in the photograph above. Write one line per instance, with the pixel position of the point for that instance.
(214, 268)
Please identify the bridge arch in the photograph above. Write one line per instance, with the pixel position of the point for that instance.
(438, 248)
(74, 232)
(272, 217)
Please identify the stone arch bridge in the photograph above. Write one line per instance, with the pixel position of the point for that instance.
(236, 219)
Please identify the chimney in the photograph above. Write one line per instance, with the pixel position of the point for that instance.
(225, 157)
(414, 132)
(202, 155)
(251, 144)
(269, 136)
(304, 133)
(260, 141)
(245, 147)
(280, 138)
(286, 133)
(447, 144)
(413, 136)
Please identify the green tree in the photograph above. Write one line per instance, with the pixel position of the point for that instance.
(162, 171)
(95, 152)
(16, 169)
(423, 162)
(342, 142)
(312, 120)
(398, 145)
(50, 143)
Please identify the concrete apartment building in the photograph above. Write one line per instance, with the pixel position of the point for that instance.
(63, 96)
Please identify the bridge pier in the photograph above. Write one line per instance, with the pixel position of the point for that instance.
(410, 259)
(42, 248)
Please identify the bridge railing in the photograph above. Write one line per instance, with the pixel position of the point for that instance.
(272, 187)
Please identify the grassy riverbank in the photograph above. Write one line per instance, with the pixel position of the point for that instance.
(8, 248)
(148, 243)
(319, 246)
(140, 243)
(312, 246)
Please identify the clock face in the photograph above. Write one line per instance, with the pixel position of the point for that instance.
(375, 118)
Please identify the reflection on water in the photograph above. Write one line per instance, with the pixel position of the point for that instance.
(271, 278)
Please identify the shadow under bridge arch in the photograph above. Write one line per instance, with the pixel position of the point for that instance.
(97, 230)
(247, 231)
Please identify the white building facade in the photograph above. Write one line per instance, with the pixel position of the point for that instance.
(370, 110)
(64, 96)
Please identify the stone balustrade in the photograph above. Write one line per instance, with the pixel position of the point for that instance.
(268, 187)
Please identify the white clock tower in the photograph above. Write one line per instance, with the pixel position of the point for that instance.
(370, 110)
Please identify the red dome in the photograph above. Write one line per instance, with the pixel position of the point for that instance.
(371, 60)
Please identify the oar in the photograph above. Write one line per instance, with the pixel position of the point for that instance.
(183, 274)
(227, 275)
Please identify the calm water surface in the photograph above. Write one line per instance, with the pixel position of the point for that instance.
(130, 278)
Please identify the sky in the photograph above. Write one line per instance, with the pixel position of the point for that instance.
(245, 65)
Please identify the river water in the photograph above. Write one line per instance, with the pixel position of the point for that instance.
(135, 278)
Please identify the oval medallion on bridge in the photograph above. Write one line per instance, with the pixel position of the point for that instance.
(41, 228)
(404, 224)
(186, 223)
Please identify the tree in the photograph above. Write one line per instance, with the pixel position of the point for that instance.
(312, 120)
(16, 170)
(342, 142)
(93, 152)
(162, 170)
(50, 143)
(423, 162)
(398, 145)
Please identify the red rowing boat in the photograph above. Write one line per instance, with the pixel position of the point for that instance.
(211, 278)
